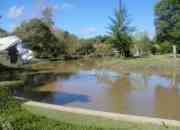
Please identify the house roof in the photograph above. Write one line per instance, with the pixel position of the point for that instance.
(8, 42)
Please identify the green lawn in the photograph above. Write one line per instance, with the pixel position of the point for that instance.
(89, 121)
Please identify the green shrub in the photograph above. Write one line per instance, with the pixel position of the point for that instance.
(7, 103)
(165, 47)
(155, 48)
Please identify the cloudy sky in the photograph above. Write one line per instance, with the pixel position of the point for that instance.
(85, 18)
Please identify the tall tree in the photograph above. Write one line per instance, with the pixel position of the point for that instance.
(47, 15)
(120, 30)
(167, 21)
(38, 36)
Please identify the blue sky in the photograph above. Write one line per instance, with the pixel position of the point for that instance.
(85, 18)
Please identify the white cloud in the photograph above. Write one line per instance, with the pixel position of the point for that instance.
(15, 12)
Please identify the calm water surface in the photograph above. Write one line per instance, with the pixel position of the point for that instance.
(101, 89)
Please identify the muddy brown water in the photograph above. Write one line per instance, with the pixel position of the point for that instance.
(102, 89)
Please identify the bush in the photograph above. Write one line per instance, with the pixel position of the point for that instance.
(86, 47)
(103, 49)
(166, 47)
(7, 103)
(69, 42)
(155, 48)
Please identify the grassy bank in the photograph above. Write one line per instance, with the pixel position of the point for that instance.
(91, 121)
(161, 64)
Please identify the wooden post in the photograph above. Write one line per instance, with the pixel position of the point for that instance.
(137, 54)
(174, 51)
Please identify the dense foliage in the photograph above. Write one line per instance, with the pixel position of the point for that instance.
(98, 46)
(47, 15)
(86, 47)
(3, 33)
(70, 42)
(167, 22)
(38, 36)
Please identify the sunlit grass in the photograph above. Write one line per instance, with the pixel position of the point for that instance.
(90, 121)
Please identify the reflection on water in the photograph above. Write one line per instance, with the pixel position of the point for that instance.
(101, 89)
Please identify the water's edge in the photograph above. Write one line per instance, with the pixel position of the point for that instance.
(106, 115)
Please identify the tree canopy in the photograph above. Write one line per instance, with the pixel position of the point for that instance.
(70, 41)
(167, 21)
(3, 33)
(37, 36)
(47, 15)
